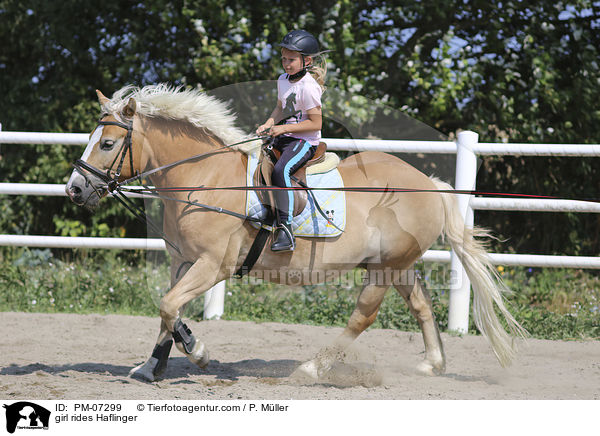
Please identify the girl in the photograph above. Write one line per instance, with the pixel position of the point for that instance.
(299, 106)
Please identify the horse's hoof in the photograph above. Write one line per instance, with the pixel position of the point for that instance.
(308, 371)
(199, 355)
(145, 371)
(426, 368)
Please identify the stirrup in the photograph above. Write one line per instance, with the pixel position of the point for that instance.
(284, 239)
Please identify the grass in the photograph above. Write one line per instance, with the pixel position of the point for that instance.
(549, 303)
(37, 282)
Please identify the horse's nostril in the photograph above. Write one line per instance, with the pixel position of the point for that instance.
(74, 192)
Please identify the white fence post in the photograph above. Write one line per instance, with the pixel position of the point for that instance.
(214, 301)
(466, 173)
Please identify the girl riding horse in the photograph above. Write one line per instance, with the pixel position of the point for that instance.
(299, 106)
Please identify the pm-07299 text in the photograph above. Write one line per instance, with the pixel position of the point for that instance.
(97, 407)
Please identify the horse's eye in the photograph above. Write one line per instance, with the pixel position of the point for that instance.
(107, 144)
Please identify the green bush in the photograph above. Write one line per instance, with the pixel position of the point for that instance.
(37, 282)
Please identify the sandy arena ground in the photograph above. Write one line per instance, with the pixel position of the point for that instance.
(61, 356)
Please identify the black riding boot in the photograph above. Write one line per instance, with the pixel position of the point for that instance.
(284, 238)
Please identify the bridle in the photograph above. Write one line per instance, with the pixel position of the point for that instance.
(112, 181)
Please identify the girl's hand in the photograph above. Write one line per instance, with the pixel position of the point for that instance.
(264, 129)
(278, 130)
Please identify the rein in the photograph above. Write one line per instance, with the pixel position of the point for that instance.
(187, 159)
(362, 189)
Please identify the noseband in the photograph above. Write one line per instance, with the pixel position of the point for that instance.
(111, 180)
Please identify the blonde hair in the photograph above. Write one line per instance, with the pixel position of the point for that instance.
(319, 70)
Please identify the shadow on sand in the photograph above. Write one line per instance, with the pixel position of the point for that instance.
(181, 371)
(179, 367)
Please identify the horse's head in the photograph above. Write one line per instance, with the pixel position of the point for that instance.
(111, 155)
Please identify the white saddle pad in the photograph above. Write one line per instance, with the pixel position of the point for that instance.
(310, 222)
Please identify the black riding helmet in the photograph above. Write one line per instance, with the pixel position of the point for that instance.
(302, 42)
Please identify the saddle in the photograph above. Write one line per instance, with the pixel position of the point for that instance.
(262, 177)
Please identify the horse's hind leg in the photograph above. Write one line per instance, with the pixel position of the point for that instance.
(362, 317)
(419, 303)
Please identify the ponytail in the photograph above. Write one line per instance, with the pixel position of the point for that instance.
(318, 70)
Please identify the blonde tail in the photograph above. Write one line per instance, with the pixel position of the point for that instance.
(488, 288)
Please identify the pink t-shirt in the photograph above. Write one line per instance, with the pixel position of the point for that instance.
(296, 99)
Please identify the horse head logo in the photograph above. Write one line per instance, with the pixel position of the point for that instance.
(289, 110)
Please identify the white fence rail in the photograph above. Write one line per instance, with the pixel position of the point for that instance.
(466, 148)
(81, 242)
(49, 189)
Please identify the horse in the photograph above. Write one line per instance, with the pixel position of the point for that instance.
(149, 128)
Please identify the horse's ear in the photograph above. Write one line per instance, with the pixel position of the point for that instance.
(102, 99)
(129, 110)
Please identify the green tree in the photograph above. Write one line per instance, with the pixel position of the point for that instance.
(55, 54)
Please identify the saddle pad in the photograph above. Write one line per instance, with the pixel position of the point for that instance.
(310, 223)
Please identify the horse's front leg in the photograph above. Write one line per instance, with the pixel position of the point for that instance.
(156, 364)
(200, 277)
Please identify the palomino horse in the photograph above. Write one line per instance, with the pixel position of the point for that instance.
(146, 128)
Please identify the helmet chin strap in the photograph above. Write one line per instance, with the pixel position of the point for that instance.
(300, 74)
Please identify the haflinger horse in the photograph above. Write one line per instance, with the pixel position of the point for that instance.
(144, 129)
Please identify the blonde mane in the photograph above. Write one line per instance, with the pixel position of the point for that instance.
(195, 107)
